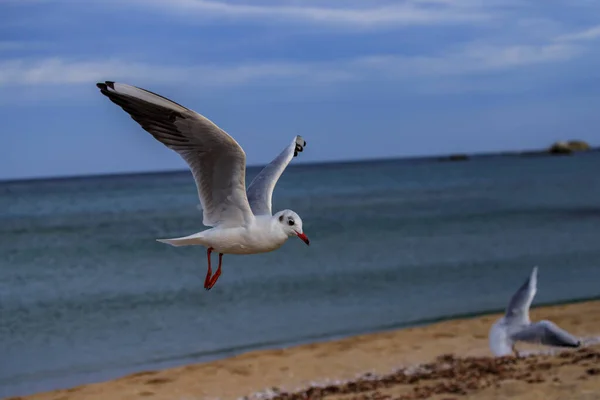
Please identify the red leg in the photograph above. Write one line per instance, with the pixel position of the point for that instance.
(217, 274)
(209, 272)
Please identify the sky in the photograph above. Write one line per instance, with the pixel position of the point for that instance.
(357, 79)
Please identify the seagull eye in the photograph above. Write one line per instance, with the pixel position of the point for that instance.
(291, 222)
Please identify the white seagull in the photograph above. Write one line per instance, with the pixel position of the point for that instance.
(515, 325)
(241, 219)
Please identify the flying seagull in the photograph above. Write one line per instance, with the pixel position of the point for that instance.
(241, 220)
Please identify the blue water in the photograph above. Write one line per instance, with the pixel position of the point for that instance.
(87, 294)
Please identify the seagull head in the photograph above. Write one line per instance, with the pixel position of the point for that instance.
(291, 223)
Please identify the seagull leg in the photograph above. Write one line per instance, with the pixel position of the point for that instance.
(217, 274)
(514, 349)
(209, 272)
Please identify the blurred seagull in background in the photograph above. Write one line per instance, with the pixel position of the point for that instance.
(515, 325)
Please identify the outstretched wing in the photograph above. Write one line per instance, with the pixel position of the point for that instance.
(216, 160)
(545, 332)
(518, 308)
(260, 191)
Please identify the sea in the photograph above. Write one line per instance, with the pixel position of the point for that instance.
(87, 293)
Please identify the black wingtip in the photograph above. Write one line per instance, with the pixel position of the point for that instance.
(105, 85)
(300, 144)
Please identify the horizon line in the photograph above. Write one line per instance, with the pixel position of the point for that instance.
(441, 156)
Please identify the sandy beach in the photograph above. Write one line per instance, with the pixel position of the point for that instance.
(454, 357)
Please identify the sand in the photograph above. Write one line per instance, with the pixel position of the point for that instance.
(458, 365)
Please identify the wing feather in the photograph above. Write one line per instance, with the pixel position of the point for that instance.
(260, 191)
(518, 307)
(216, 160)
(547, 333)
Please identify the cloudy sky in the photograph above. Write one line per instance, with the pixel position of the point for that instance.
(358, 79)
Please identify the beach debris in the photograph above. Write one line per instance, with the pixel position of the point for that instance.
(446, 375)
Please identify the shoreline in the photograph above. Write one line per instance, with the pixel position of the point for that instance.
(297, 367)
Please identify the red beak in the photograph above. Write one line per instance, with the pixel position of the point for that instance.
(303, 237)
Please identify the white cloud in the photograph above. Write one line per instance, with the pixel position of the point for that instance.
(11, 45)
(53, 71)
(472, 59)
(366, 15)
(492, 58)
(588, 34)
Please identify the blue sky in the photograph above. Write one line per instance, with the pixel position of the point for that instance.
(358, 79)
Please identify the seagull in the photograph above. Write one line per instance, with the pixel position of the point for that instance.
(515, 325)
(241, 220)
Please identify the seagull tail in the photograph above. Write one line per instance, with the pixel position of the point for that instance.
(191, 240)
